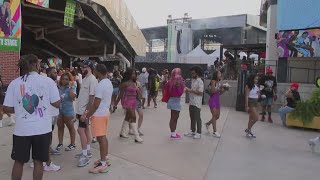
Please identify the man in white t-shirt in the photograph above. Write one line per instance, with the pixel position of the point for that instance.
(84, 102)
(195, 94)
(52, 73)
(99, 114)
(30, 97)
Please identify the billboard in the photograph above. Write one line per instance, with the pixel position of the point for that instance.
(10, 25)
(298, 14)
(179, 40)
(42, 3)
(300, 43)
(69, 13)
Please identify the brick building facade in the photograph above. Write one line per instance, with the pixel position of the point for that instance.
(8, 66)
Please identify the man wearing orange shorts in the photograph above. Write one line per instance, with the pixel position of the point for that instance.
(99, 116)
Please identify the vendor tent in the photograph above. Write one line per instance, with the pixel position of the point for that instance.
(197, 56)
(216, 54)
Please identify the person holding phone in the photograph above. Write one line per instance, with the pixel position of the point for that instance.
(293, 96)
(67, 90)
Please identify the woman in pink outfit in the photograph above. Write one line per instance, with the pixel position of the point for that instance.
(129, 92)
(175, 87)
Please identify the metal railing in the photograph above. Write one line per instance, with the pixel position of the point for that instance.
(286, 71)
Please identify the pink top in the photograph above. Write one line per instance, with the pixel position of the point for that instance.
(177, 91)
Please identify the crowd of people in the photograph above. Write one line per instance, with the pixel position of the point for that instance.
(41, 99)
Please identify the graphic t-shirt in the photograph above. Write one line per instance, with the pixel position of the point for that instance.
(31, 97)
(54, 111)
(292, 102)
(104, 92)
(269, 83)
(88, 88)
(197, 85)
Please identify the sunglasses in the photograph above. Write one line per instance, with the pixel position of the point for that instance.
(65, 79)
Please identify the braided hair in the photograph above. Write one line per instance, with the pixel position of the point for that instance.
(27, 64)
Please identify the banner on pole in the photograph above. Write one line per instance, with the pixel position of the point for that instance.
(69, 13)
(42, 3)
(10, 25)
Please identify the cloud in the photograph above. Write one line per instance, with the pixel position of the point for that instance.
(149, 13)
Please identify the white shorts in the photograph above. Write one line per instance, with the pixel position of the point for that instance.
(144, 93)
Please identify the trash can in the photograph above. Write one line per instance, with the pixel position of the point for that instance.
(241, 91)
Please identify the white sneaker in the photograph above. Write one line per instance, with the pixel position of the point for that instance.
(12, 122)
(216, 134)
(190, 134)
(52, 167)
(313, 142)
(197, 136)
(83, 161)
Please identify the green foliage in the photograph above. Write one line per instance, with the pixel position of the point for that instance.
(307, 110)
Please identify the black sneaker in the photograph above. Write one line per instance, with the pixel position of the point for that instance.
(250, 134)
(58, 148)
(71, 147)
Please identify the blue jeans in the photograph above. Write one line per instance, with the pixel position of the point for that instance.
(283, 112)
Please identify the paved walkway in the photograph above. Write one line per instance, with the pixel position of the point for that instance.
(277, 153)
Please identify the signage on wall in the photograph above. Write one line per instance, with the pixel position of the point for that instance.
(42, 3)
(300, 43)
(10, 25)
(69, 13)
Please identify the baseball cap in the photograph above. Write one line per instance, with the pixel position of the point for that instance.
(294, 85)
(89, 63)
(269, 70)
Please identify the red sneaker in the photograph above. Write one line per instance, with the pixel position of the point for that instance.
(263, 118)
(177, 137)
(270, 120)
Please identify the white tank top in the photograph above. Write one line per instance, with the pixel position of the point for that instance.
(254, 93)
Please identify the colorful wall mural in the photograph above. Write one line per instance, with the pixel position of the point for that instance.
(299, 43)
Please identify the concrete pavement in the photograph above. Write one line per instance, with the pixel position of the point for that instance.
(277, 153)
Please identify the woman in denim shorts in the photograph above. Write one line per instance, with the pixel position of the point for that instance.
(67, 90)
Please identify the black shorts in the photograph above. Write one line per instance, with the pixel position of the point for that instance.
(39, 144)
(81, 124)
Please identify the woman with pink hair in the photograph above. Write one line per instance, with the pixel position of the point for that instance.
(175, 87)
